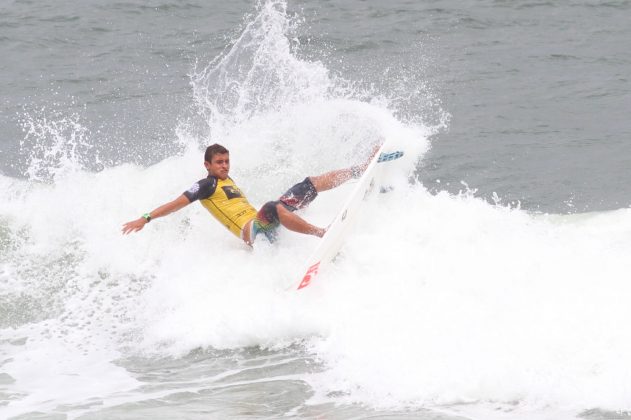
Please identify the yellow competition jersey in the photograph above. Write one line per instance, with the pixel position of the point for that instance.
(224, 200)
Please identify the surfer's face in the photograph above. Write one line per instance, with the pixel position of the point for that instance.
(219, 165)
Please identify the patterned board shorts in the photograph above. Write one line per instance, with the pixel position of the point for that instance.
(297, 197)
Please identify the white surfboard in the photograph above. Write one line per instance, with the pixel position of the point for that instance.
(333, 239)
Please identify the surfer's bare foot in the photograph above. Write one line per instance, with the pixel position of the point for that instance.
(358, 170)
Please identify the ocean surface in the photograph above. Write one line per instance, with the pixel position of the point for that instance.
(491, 282)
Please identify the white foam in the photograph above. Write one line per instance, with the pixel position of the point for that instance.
(51, 373)
(480, 303)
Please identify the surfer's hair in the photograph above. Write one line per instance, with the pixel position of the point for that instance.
(214, 149)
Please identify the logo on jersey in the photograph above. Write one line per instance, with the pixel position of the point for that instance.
(194, 188)
(231, 192)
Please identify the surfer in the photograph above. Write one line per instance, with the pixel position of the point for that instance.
(224, 200)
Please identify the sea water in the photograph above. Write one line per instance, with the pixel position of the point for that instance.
(490, 281)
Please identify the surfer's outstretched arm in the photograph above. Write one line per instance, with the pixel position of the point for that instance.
(163, 210)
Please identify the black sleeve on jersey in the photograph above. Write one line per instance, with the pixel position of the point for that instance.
(203, 188)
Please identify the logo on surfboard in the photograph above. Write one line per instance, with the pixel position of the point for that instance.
(311, 272)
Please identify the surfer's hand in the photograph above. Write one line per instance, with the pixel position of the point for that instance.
(134, 225)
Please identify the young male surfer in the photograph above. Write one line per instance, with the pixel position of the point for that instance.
(224, 200)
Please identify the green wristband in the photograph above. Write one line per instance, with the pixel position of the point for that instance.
(147, 217)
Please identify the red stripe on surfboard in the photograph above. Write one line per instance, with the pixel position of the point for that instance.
(311, 273)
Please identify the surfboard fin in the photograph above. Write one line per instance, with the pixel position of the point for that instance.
(386, 157)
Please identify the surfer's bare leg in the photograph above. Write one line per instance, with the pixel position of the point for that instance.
(338, 177)
(296, 223)
(332, 179)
